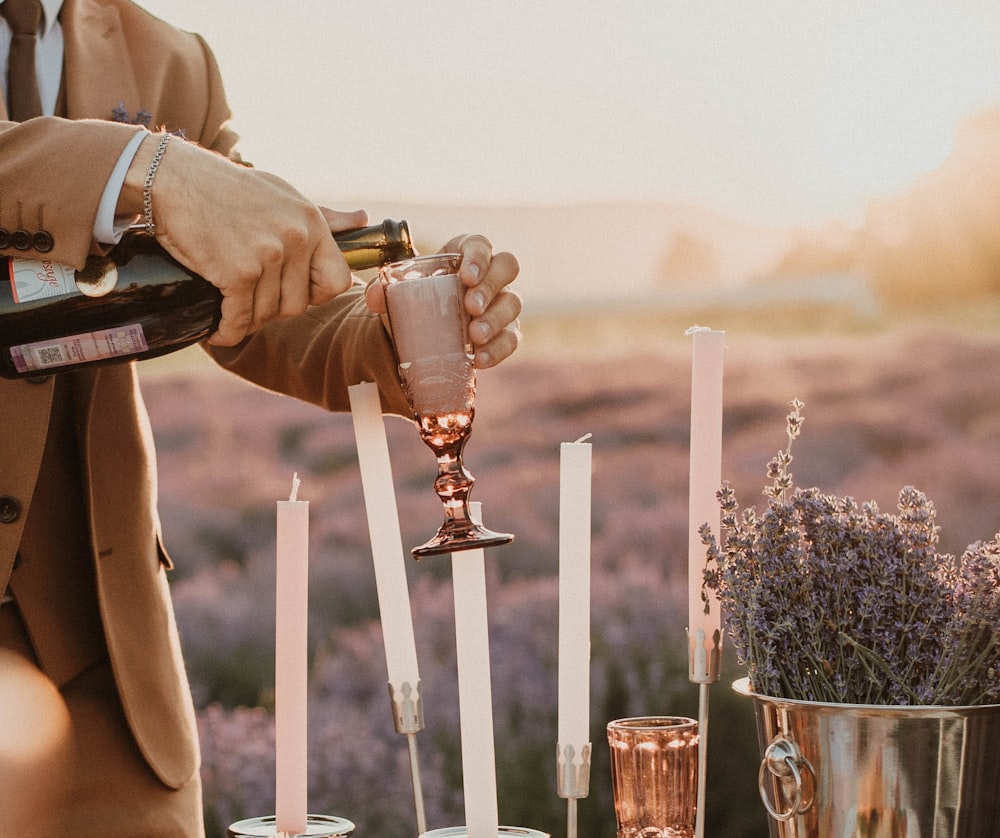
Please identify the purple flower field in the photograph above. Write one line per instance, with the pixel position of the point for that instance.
(884, 409)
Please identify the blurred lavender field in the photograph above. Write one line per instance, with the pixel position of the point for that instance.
(885, 407)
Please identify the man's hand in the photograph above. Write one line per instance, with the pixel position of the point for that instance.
(492, 305)
(267, 248)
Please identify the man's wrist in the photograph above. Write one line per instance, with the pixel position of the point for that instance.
(130, 200)
(147, 185)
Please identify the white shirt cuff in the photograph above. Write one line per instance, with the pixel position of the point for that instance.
(108, 228)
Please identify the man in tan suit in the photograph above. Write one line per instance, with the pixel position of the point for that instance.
(82, 570)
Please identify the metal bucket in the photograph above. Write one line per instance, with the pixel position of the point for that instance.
(866, 771)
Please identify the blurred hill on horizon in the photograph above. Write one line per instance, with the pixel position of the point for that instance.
(935, 243)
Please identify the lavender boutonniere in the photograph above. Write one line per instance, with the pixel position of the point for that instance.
(830, 600)
(143, 117)
(120, 114)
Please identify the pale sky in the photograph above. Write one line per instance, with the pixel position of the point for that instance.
(791, 111)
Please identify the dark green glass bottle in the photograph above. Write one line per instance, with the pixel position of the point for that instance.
(137, 302)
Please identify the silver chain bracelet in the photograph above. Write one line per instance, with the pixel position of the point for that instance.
(147, 188)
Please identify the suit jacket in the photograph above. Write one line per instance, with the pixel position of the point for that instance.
(52, 173)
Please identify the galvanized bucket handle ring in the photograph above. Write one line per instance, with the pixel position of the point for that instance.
(783, 759)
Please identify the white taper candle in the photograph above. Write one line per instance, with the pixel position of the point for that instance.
(386, 541)
(574, 594)
(291, 664)
(475, 694)
(707, 351)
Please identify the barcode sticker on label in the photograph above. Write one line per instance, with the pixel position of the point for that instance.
(51, 355)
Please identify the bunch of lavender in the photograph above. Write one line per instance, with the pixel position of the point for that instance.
(829, 600)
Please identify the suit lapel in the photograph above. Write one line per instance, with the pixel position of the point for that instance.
(96, 65)
(115, 436)
(24, 422)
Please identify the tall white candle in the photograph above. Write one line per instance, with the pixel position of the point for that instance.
(291, 664)
(707, 351)
(574, 595)
(383, 529)
(475, 695)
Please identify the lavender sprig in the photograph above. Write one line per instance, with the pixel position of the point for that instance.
(829, 600)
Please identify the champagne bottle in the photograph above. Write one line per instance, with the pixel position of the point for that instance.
(137, 302)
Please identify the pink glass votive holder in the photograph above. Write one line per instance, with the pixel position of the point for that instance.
(654, 772)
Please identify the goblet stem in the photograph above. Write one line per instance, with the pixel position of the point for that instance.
(454, 482)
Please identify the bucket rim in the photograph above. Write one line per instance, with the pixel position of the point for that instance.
(742, 686)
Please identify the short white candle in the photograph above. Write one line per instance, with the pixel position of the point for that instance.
(475, 695)
(707, 351)
(383, 529)
(291, 664)
(574, 595)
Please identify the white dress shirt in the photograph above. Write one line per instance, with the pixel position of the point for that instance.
(49, 66)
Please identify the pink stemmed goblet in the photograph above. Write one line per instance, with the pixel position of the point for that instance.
(430, 330)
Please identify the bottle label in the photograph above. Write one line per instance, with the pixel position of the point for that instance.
(33, 279)
(79, 349)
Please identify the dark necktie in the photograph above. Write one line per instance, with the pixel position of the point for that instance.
(23, 16)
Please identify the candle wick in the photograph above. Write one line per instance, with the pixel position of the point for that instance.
(584, 438)
(295, 487)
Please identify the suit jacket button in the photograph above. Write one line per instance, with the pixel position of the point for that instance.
(10, 509)
(4, 238)
(43, 241)
(21, 239)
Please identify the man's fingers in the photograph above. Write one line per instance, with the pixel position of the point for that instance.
(375, 296)
(499, 348)
(477, 251)
(269, 295)
(502, 270)
(328, 272)
(339, 221)
(506, 308)
(237, 317)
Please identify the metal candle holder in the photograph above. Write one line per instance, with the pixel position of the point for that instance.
(704, 657)
(572, 780)
(408, 718)
(704, 669)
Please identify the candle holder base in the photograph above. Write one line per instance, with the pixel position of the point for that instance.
(317, 826)
(504, 832)
(704, 656)
(573, 771)
(407, 707)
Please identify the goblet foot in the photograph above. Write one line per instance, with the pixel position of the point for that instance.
(460, 535)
